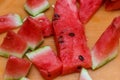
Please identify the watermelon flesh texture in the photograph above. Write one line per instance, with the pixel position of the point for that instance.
(106, 48)
(9, 21)
(34, 7)
(112, 5)
(88, 8)
(16, 68)
(13, 44)
(45, 23)
(46, 62)
(30, 31)
(70, 37)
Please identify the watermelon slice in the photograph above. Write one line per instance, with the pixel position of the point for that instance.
(84, 75)
(46, 62)
(112, 5)
(31, 33)
(9, 21)
(106, 48)
(70, 37)
(34, 7)
(16, 68)
(13, 44)
(45, 23)
(88, 8)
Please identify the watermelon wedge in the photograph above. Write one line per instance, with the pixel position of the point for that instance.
(45, 23)
(16, 68)
(88, 9)
(46, 62)
(9, 21)
(30, 31)
(13, 44)
(84, 75)
(34, 7)
(70, 37)
(106, 48)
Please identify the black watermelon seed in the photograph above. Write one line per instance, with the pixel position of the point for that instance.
(60, 40)
(78, 67)
(56, 17)
(81, 58)
(71, 34)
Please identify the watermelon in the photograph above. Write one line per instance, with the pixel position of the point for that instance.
(112, 5)
(13, 44)
(30, 31)
(16, 68)
(46, 62)
(88, 9)
(45, 23)
(34, 7)
(84, 75)
(106, 48)
(70, 37)
(9, 21)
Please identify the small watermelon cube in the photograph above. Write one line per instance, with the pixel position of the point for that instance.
(34, 7)
(45, 23)
(31, 32)
(9, 21)
(106, 48)
(13, 44)
(16, 68)
(46, 62)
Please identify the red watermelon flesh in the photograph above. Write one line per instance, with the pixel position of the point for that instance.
(112, 5)
(45, 23)
(106, 48)
(46, 62)
(16, 68)
(70, 37)
(9, 21)
(30, 31)
(13, 44)
(88, 9)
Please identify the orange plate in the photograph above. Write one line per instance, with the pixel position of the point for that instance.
(93, 29)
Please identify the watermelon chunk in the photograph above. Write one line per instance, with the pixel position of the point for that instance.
(46, 62)
(16, 68)
(70, 37)
(84, 75)
(106, 48)
(34, 7)
(88, 8)
(13, 44)
(9, 21)
(31, 33)
(45, 23)
(112, 5)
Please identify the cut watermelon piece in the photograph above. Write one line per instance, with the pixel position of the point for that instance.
(70, 37)
(13, 44)
(31, 33)
(106, 48)
(88, 9)
(9, 21)
(16, 68)
(34, 7)
(24, 78)
(112, 5)
(45, 23)
(46, 62)
(84, 75)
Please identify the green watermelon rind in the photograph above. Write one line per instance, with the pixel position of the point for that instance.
(38, 10)
(23, 78)
(39, 15)
(18, 20)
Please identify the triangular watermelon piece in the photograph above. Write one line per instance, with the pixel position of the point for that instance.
(45, 23)
(16, 68)
(70, 37)
(46, 62)
(31, 32)
(9, 21)
(13, 44)
(34, 7)
(106, 48)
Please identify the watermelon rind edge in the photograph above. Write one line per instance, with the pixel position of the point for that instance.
(23, 78)
(18, 20)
